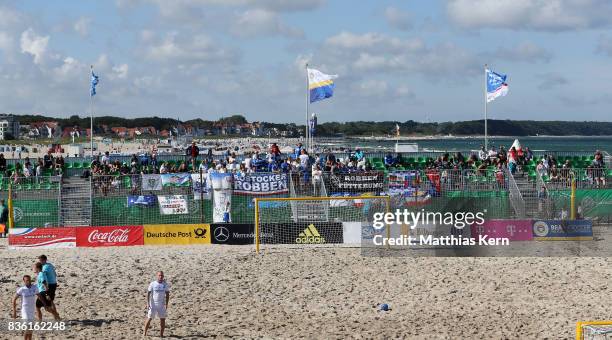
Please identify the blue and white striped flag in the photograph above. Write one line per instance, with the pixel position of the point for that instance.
(496, 85)
(94, 82)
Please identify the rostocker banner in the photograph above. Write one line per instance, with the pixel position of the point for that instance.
(151, 182)
(161, 234)
(260, 184)
(173, 204)
(357, 182)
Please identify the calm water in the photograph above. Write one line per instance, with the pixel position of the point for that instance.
(535, 143)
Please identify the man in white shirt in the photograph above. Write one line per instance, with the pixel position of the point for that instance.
(158, 296)
(482, 154)
(28, 294)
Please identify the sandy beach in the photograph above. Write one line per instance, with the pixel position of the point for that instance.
(229, 291)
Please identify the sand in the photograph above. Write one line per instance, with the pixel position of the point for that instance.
(325, 293)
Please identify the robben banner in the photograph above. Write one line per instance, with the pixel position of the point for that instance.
(42, 238)
(151, 183)
(175, 179)
(142, 201)
(358, 182)
(182, 234)
(260, 184)
(562, 230)
(513, 230)
(222, 197)
(201, 187)
(115, 236)
(173, 204)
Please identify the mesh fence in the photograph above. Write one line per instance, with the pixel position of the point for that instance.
(36, 200)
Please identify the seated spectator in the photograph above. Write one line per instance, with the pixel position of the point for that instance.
(541, 169)
(163, 169)
(182, 167)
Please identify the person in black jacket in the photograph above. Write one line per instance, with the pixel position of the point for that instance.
(2, 163)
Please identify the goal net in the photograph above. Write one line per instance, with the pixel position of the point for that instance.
(315, 220)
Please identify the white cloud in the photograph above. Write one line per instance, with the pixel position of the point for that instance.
(523, 52)
(199, 48)
(373, 41)
(81, 26)
(545, 15)
(121, 71)
(34, 44)
(398, 18)
(256, 22)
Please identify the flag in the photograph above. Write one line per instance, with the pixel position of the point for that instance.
(94, 82)
(496, 85)
(397, 130)
(312, 124)
(320, 85)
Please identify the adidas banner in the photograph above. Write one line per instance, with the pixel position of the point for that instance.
(372, 181)
(302, 233)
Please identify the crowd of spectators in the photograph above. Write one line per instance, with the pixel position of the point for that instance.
(32, 171)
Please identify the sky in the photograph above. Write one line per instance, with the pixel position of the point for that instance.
(396, 60)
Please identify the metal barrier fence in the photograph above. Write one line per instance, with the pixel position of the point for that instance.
(115, 199)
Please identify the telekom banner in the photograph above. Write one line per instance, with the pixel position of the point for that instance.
(109, 236)
(514, 230)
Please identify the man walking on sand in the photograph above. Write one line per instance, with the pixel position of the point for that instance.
(51, 276)
(28, 294)
(158, 296)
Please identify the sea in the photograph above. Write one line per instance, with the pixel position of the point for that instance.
(548, 143)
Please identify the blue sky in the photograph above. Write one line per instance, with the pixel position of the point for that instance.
(397, 60)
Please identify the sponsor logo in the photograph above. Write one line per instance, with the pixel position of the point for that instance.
(114, 236)
(540, 228)
(221, 234)
(17, 214)
(199, 232)
(310, 235)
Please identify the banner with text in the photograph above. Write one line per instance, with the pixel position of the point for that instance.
(175, 179)
(562, 230)
(173, 204)
(201, 187)
(112, 236)
(222, 196)
(513, 230)
(372, 181)
(162, 234)
(42, 238)
(260, 184)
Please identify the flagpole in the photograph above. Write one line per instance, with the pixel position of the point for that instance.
(307, 109)
(486, 141)
(91, 131)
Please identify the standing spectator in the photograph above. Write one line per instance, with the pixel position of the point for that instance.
(193, 152)
(48, 160)
(2, 163)
(542, 196)
(158, 296)
(106, 158)
(297, 151)
(4, 217)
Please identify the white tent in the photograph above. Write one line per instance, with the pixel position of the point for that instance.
(516, 144)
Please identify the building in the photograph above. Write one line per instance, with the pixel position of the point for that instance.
(9, 127)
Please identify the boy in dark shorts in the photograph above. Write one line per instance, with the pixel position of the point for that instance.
(51, 275)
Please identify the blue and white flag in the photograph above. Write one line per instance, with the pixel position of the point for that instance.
(94, 82)
(320, 85)
(496, 85)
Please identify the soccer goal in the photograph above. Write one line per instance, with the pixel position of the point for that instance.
(315, 220)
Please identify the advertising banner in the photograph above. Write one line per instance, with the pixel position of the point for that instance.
(233, 233)
(513, 230)
(175, 179)
(260, 184)
(372, 181)
(222, 197)
(201, 187)
(116, 236)
(42, 238)
(161, 234)
(142, 201)
(304, 233)
(151, 183)
(173, 204)
(562, 230)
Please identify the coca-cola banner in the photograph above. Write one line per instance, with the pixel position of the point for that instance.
(109, 236)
